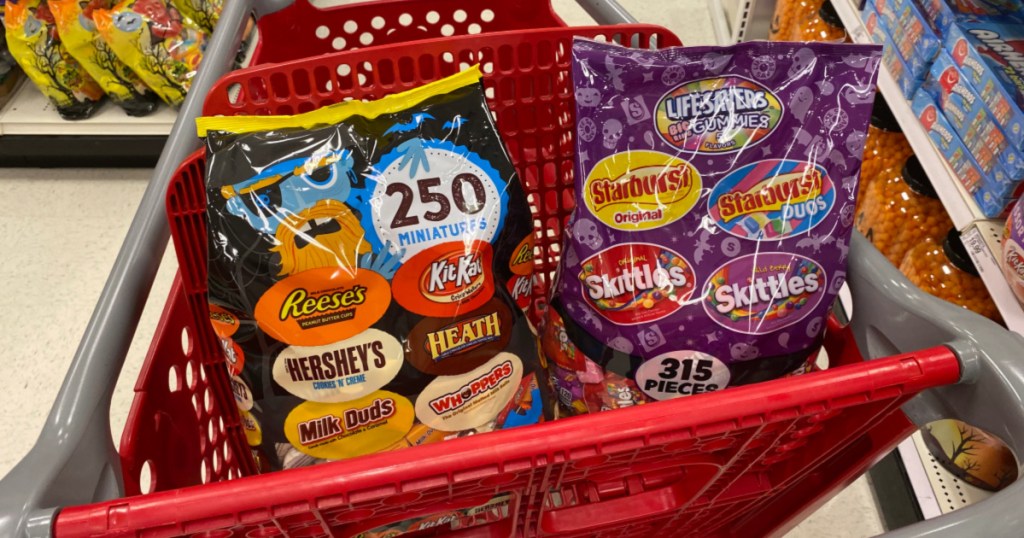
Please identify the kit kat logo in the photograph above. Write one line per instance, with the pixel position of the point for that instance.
(324, 305)
(463, 336)
(717, 115)
(772, 199)
(446, 279)
(641, 190)
(636, 282)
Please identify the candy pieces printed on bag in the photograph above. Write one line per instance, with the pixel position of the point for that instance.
(364, 262)
(715, 196)
(33, 41)
(154, 40)
(79, 35)
(204, 13)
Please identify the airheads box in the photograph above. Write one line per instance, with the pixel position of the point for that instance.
(944, 13)
(981, 186)
(971, 119)
(990, 55)
(915, 39)
(898, 68)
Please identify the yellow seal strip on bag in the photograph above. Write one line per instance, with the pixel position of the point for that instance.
(78, 33)
(339, 112)
(33, 41)
(152, 38)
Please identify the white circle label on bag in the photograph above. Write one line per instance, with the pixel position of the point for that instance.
(342, 371)
(681, 373)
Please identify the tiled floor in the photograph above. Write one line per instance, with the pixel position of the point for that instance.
(60, 231)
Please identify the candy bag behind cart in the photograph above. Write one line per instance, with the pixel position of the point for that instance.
(362, 258)
(204, 13)
(34, 43)
(79, 35)
(151, 37)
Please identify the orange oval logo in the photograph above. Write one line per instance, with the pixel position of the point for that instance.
(521, 262)
(224, 322)
(320, 306)
(446, 279)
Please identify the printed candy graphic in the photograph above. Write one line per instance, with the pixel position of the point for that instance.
(636, 282)
(761, 293)
(641, 190)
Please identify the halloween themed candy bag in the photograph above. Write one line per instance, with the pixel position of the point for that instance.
(33, 41)
(204, 13)
(151, 37)
(361, 258)
(714, 203)
(83, 42)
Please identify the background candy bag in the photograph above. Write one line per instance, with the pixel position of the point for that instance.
(33, 41)
(79, 35)
(158, 44)
(204, 13)
(715, 195)
(409, 211)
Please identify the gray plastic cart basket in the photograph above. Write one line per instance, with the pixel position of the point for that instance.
(74, 462)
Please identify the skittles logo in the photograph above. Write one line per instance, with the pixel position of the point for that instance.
(641, 190)
(636, 283)
(764, 292)
(717, 115)
(772, 199)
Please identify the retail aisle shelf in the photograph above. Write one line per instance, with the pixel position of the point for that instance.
(984, 240)
(30, 113)
(962, 209)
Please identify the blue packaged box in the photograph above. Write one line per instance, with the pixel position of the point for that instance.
(944, 13)
(990, 55)
(899, 70)
(982, 187)
(912, 33)
(971, 119)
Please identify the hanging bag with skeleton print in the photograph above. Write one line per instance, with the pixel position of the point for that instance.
(362, 262)
(714, 203)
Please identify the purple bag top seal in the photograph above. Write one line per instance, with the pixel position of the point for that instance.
(715, 195)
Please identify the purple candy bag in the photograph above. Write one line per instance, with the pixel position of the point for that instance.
(715, 196)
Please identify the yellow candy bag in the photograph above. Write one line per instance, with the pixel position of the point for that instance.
(33, 41)
(79, 35)
(204, 13)
(154, 40)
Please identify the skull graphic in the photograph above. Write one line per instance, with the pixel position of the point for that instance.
(803, 60)
(611, 132)
(587, 129)
(586, 233)
(763, 67)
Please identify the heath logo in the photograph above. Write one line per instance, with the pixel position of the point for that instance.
(772, 199)
(764, 292)
(717, 115)
(446, 279)
(636, 282)
(641, 190)
(463, 336)
(323, 305)
(454, 400)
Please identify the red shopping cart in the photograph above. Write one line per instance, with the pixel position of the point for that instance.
(749, 461)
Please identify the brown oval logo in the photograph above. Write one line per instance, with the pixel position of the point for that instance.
(320, 306)
(452, 346)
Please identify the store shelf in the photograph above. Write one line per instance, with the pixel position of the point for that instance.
(29, 113)
(983, 240)
(962, 209)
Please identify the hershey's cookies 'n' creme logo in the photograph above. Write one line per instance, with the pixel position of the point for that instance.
(763, 292)
(717, 115)
(636, 283)
(465, 394)
(641, 190)
(321, 306)
(772, 199)
(446, 279)
(463, 335)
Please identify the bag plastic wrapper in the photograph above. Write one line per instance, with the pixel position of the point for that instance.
(33, 41)
(204, 13)
(78, 33)
(714, 202)
(151, 37)
(361, 263)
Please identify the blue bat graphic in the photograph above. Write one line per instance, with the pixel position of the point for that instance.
(455, 123)
(417, 120)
